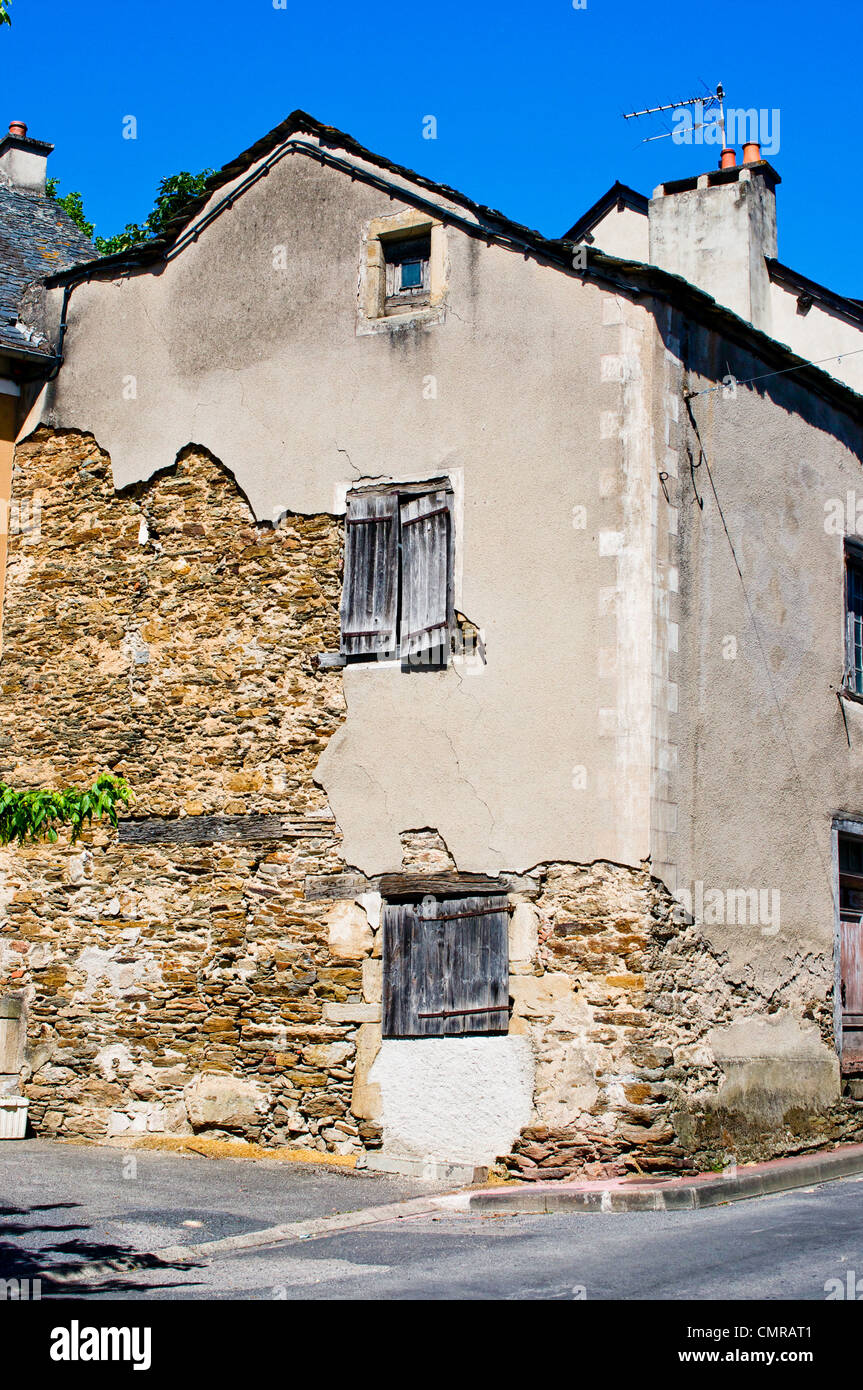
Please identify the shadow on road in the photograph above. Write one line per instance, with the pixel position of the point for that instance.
(96, 1267)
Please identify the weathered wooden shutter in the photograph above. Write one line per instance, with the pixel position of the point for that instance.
(851, 950)
(425, 534)
(854, 619)
(370, 590)
(445, 967)
(851, 947)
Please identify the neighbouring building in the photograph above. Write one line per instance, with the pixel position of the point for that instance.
(36, 237)
(478, 620)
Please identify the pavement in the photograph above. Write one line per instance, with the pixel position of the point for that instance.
(100, 1223)
(731, 1184)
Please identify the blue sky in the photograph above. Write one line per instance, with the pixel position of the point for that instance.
(527, 97)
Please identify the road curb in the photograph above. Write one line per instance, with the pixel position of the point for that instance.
(674, 1194)
(180, 1256)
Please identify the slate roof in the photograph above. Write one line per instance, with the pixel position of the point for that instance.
(37, 238)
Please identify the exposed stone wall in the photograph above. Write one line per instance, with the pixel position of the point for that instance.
(603, 1100)
(181, 990)
(654, 1052)
(163, 635)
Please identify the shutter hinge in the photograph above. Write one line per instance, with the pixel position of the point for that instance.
(452, 1013)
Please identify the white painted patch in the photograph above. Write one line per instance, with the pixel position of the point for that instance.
(371, 904)
(114, 1060)
(611, 542)
(105, 971)
(456, 1099)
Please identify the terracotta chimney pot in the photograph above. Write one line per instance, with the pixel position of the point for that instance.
(727, 158)
(18, 128)
(751, 152)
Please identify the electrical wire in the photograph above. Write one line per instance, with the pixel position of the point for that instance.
(837, 357)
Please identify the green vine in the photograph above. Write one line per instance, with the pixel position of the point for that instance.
(35, 815)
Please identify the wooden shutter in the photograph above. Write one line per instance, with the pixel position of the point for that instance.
(851, 950)
(445, 967)
(854, 619)
(370, 590)
(425, 597)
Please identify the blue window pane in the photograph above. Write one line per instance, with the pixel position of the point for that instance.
(412, 275)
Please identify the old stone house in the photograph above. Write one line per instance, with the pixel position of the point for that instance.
(464, 610)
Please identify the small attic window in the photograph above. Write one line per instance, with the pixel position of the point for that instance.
(407, 273)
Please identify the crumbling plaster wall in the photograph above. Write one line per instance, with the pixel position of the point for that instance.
(236, 989)
(521, 760)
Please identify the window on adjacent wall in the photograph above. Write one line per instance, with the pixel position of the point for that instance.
(854, 617)
(445, 967)
(851, 949)
(397, 598)
(407, 273)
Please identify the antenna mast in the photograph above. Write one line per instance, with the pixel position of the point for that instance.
(711, 101)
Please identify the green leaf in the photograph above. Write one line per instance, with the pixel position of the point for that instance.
(32, 815)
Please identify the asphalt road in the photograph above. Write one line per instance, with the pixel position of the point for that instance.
(62, 1204)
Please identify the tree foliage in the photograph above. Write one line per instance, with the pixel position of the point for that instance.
(173, 192)
(35, 815)
(72, 204)
(5, 17)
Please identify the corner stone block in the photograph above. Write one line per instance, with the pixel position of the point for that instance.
(540, 996)
(352, 1013)
(366, 1100)
(372, 981)
(224, 1102)
(523, 939)
(350, 936)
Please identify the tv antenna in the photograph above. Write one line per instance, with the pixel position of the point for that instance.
(709, 101)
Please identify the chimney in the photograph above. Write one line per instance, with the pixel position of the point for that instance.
(716, 230)
(23, 161)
